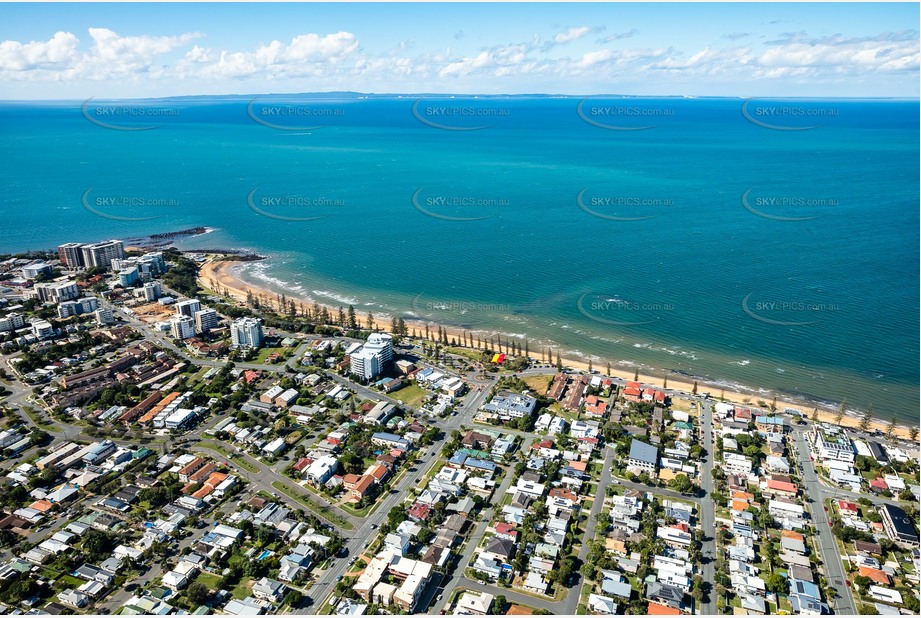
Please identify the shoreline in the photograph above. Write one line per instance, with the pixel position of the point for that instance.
(221, 272)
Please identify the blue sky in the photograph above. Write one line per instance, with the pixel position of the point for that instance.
(73, 51)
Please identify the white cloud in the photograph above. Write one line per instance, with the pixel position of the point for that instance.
(595, 57)
(337, 59)
(571, 34)
(57, 52)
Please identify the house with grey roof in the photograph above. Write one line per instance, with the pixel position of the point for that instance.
(642, 455)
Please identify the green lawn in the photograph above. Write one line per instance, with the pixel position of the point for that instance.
(239, 459)
(472, 354)
(264, 353)
(208, 579)
(70, 581)
(324, 513)
(242, 590)
(348, 508)
(38, 418)
(411, 395)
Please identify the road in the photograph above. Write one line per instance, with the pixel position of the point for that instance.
(707, 508)
(831, 557)
(571, 603)
(476, 535)
(367, 527)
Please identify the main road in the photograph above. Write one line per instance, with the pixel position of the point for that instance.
(706, 507)
(831, 557)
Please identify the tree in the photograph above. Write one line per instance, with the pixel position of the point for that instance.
(866, 418)
(97, 544)
(293, 598)
(890, 429)
(862, 582)
(913, 433)
(776, 583)
(198, 593)
(840, 413)
(815, 415)
(352, 320)
(770, 552)
(499, 604)
(681, 483)
(370, 321)
(694, 389)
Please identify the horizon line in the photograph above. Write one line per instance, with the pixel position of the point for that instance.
(355, 93)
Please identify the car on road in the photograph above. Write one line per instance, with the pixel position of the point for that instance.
(339, 578)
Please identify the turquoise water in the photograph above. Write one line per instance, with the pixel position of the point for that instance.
(660, 263)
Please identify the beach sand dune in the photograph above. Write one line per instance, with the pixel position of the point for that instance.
(219, 275)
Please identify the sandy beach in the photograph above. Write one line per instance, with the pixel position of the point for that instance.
(218, 275)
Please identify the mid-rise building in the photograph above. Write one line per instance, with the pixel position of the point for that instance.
(149, 265)
(100, 254)
(182, 327)
(42, 329)
(151, 291)
(104, 316)
(34, 271)
(205, 320)
(11, 321)
(373, 357)
(56, 291)
(188, 307)
(129, 277)
(71, 255)
(78, 307)
(246, 332)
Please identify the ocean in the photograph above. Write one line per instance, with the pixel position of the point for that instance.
(763, 244)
